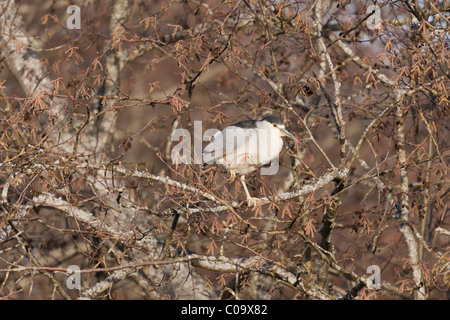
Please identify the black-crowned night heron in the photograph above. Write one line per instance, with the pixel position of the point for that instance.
(243, 147)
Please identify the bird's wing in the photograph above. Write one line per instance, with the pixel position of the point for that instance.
(234, 145)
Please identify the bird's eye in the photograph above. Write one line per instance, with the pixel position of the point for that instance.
(274, 125)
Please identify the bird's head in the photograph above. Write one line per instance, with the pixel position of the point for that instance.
(274, 122)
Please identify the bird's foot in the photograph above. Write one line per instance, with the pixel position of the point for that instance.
(253, 202)
(232, 176)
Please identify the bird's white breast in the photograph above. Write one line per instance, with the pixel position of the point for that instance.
(269, 142)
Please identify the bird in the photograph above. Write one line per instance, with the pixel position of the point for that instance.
(245, 146)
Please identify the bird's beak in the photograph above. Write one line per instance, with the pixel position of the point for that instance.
(284, 132)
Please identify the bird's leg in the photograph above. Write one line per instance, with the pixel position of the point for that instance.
(251, 201)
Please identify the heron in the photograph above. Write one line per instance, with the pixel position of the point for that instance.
(245, 146)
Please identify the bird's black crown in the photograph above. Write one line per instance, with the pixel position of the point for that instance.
(273, 119)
